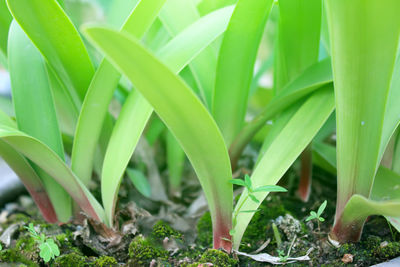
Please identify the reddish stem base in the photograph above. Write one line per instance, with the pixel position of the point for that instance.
(347, 232)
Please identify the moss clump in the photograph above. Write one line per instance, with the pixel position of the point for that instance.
(15, 256)
(162, 230)
(388, 251)
(141, 252)
(217, 258)
(71, 260)
(260, 226)
(204, 230)
(105, 261)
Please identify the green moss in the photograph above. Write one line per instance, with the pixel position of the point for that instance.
(71, 260)
(15, 256)
(141, 252)
(260, 226)
(105, 261)
(388, 251)
(204, 230)
(162, 230)
(217, 258)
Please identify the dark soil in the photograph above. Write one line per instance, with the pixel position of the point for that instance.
(149, 240)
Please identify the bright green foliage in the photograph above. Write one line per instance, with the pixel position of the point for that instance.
(236, 63)
(284, 150)
(55, 36)
(317, 215)
(34, 108)
(48, 248)
(177, 109)
(364, 38)
(139, 181)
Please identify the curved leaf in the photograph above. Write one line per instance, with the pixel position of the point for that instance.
(236, 64)
(184, 115)
(310, 80)
(30, 180)
(100, 92)
(55, 36)
(34, 108)
(50, 162)
(284, 150)
(136, 110)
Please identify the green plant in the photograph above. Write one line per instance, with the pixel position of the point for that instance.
(250, 190)
(317, 215)
(366, 113)
(48, 248)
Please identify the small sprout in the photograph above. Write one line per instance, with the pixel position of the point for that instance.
(282, 256)
(277, 235)
(1, 247)
(48, 248)
(250, 194)
(317, 215)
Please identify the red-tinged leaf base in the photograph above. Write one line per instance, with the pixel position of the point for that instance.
(222, 238)
(44, 204)
(347, 232)
(305, 175)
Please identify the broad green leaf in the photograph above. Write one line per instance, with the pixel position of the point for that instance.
(176, 15)
(207, 6)
(5, 21)
(298, 39)
(178, 108)
(392, 113)
(51, 163)
(139, 181)
(6, 106)
(284, 150)
(324, 156)
(55, 36)
(100, 92)
(236, 64)
(136, 111)
(310, 80)
(175, 162)
(34, 108)
(357, 210)
(387, 187)
(30, 179)
(364, 40)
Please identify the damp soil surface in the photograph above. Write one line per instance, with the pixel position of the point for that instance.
(178, 233)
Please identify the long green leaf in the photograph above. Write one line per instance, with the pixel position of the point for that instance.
(51, 163)
(298, 39)
(5, 21)
(100, 93)
(284, 150)
(55, 36)
(236, 64)
(34, 108)
(175, 162)
(311, 79)
(185, 116)
(204, 65)
(136, 110)
(364, 38)
(30, 180)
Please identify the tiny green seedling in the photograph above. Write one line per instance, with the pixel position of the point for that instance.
(317, 215)
(282, 256)
(250, 194)
(48, 248)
